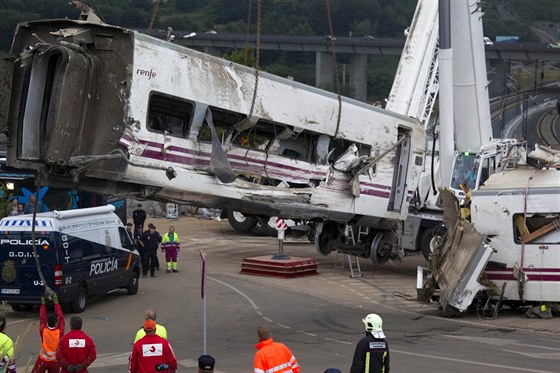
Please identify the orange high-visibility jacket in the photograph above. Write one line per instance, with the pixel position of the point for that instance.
(48, 347)
(274, 357)
(50, 337)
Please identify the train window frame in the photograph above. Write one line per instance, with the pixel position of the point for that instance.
(176, 112)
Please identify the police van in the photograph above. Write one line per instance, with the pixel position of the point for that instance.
(81, 252)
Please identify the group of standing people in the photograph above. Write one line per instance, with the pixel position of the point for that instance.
(149, 241)
(20, 209)
(66, 353)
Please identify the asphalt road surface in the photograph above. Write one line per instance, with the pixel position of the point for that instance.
(318, 317)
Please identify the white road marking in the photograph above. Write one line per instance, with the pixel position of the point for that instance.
(470, 362)
(307, 333)
(110, 360)
(500, 342)
(283, 326)
(338, 341)
(538, 355)
(253, 304)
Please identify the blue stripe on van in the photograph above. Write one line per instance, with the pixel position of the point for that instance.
(25, 223)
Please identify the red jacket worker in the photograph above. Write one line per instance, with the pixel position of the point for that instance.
(76, 350)
(152, 353)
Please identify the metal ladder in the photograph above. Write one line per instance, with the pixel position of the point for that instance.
(353, 260)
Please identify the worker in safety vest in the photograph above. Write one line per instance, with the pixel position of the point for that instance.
(7, 358)
(372, 351)
(171, 245)
(160, 329)
(273, 356)
(51, 329)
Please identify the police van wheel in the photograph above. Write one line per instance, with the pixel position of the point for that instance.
(16, 307)
(79, 303)
(132, 287)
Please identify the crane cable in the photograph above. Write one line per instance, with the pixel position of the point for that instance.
(48, 290)
(153, 19)
(246, 50)
(257, 58)
(335, 67)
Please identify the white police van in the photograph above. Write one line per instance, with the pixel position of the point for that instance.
(81, 252)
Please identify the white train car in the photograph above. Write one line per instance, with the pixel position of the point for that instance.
(111, 110)
(519, 212)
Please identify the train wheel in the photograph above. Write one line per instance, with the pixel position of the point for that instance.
(322, 239)
(377, 256)
(240, 222)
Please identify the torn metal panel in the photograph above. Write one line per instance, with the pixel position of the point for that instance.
(462, 259)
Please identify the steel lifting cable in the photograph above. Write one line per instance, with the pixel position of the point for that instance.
(257, 58)
(152, 20)
(246, 51)
(48, 290)
(335, 67)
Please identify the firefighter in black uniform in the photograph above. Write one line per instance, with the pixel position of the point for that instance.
(372, 351)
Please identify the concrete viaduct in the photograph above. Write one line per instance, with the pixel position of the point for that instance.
(499, 54)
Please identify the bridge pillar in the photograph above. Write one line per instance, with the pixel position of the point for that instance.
(324, 71)
(498, 70)
(358, 76)
(217, 52)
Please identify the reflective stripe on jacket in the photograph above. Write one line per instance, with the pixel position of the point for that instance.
(273, 357)
(48, 347)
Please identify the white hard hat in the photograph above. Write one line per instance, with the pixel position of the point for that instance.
(374, 325)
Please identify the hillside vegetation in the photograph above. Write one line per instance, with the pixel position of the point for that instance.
(379, 18)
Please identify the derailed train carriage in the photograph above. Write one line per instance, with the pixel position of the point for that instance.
(108, 109)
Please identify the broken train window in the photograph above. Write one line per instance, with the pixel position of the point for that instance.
(537, 228)
(170, 115)
(224, 122)
(257, 137)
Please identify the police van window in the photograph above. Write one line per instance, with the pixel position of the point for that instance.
(536, 229)
(126, 242)
(224, 122)
(169, 115)
(80, 248)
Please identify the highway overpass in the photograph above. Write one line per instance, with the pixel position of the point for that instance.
(499, 54)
